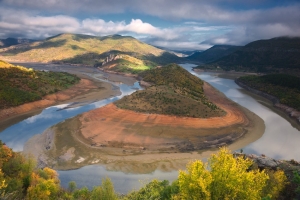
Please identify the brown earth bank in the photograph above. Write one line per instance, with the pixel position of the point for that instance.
(138, 142)
(85, 91)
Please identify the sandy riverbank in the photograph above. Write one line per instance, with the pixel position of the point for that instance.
(140, 143)
(88, 90)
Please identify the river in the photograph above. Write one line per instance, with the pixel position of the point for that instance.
(280, 140)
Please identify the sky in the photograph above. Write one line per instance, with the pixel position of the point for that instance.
(172, 24)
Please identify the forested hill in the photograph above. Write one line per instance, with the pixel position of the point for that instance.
(19, 85)
(213, 53)
(174, 92)
(274, 55)
(114, 52)
(285, 87)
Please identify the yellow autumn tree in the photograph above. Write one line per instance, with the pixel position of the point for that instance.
(44, 185)
(224, 177)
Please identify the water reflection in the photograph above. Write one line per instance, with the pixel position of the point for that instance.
(280, 140)
(17, 135)
(92, 175)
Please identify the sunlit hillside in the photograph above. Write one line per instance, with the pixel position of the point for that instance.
(91, 50)
(19, 85)
(174, 92)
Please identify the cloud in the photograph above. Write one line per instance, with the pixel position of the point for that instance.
(27, 25)
(193, 24)
(34, 26)
(99, 26)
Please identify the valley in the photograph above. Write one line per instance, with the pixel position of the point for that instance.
(148, 100)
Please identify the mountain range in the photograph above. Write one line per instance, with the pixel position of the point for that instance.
(129, 55)
(212, 54)
(114, 52)
(273, 55)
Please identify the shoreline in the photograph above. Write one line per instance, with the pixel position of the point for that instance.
(131, 159)
(289, 111)
(90, 91)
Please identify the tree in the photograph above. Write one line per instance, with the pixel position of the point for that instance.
(44, 185)
(105, 191)
(227, 178)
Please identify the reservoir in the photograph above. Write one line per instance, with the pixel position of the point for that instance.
(280, 140)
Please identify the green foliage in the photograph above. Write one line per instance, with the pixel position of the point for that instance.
(285, 87)
(223, 177)
(156, 189)
(19, 85)
(275, 184)
(82, 194)
(72, 186)
(228, 178)
(92, 51)
(175, 92)
(273, 55)
(105, 191)
(296, 180)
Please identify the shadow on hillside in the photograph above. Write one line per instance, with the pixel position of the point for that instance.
(164, 58)
(96, 59)
(45, 45)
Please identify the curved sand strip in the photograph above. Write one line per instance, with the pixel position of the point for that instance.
(140, 143)
(115, 127)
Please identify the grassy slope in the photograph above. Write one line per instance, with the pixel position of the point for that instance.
(273, 55)
(89, 50)
(285, 87)
(175, 92)
(19, 85)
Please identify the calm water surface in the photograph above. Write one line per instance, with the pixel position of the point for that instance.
(280, 139)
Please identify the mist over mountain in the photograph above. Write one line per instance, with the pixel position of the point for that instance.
(213, 53)
(280, 54)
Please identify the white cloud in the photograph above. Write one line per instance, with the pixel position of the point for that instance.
(178, 45)
(99, 26)
(37, 26)
(199, 21)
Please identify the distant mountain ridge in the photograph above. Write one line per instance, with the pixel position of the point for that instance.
(213, 53)
(92, 51)
(273, 55)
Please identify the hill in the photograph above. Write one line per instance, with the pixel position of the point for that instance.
(13, 41)
(282, 86)
(128, 53)
(174, 92)
(213, 53)
(19, 85)
(274, 55)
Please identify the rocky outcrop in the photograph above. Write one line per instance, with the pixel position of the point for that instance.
(145, 84)
(264, 162)
(111, 57)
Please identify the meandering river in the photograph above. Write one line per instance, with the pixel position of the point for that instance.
(280, 140)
